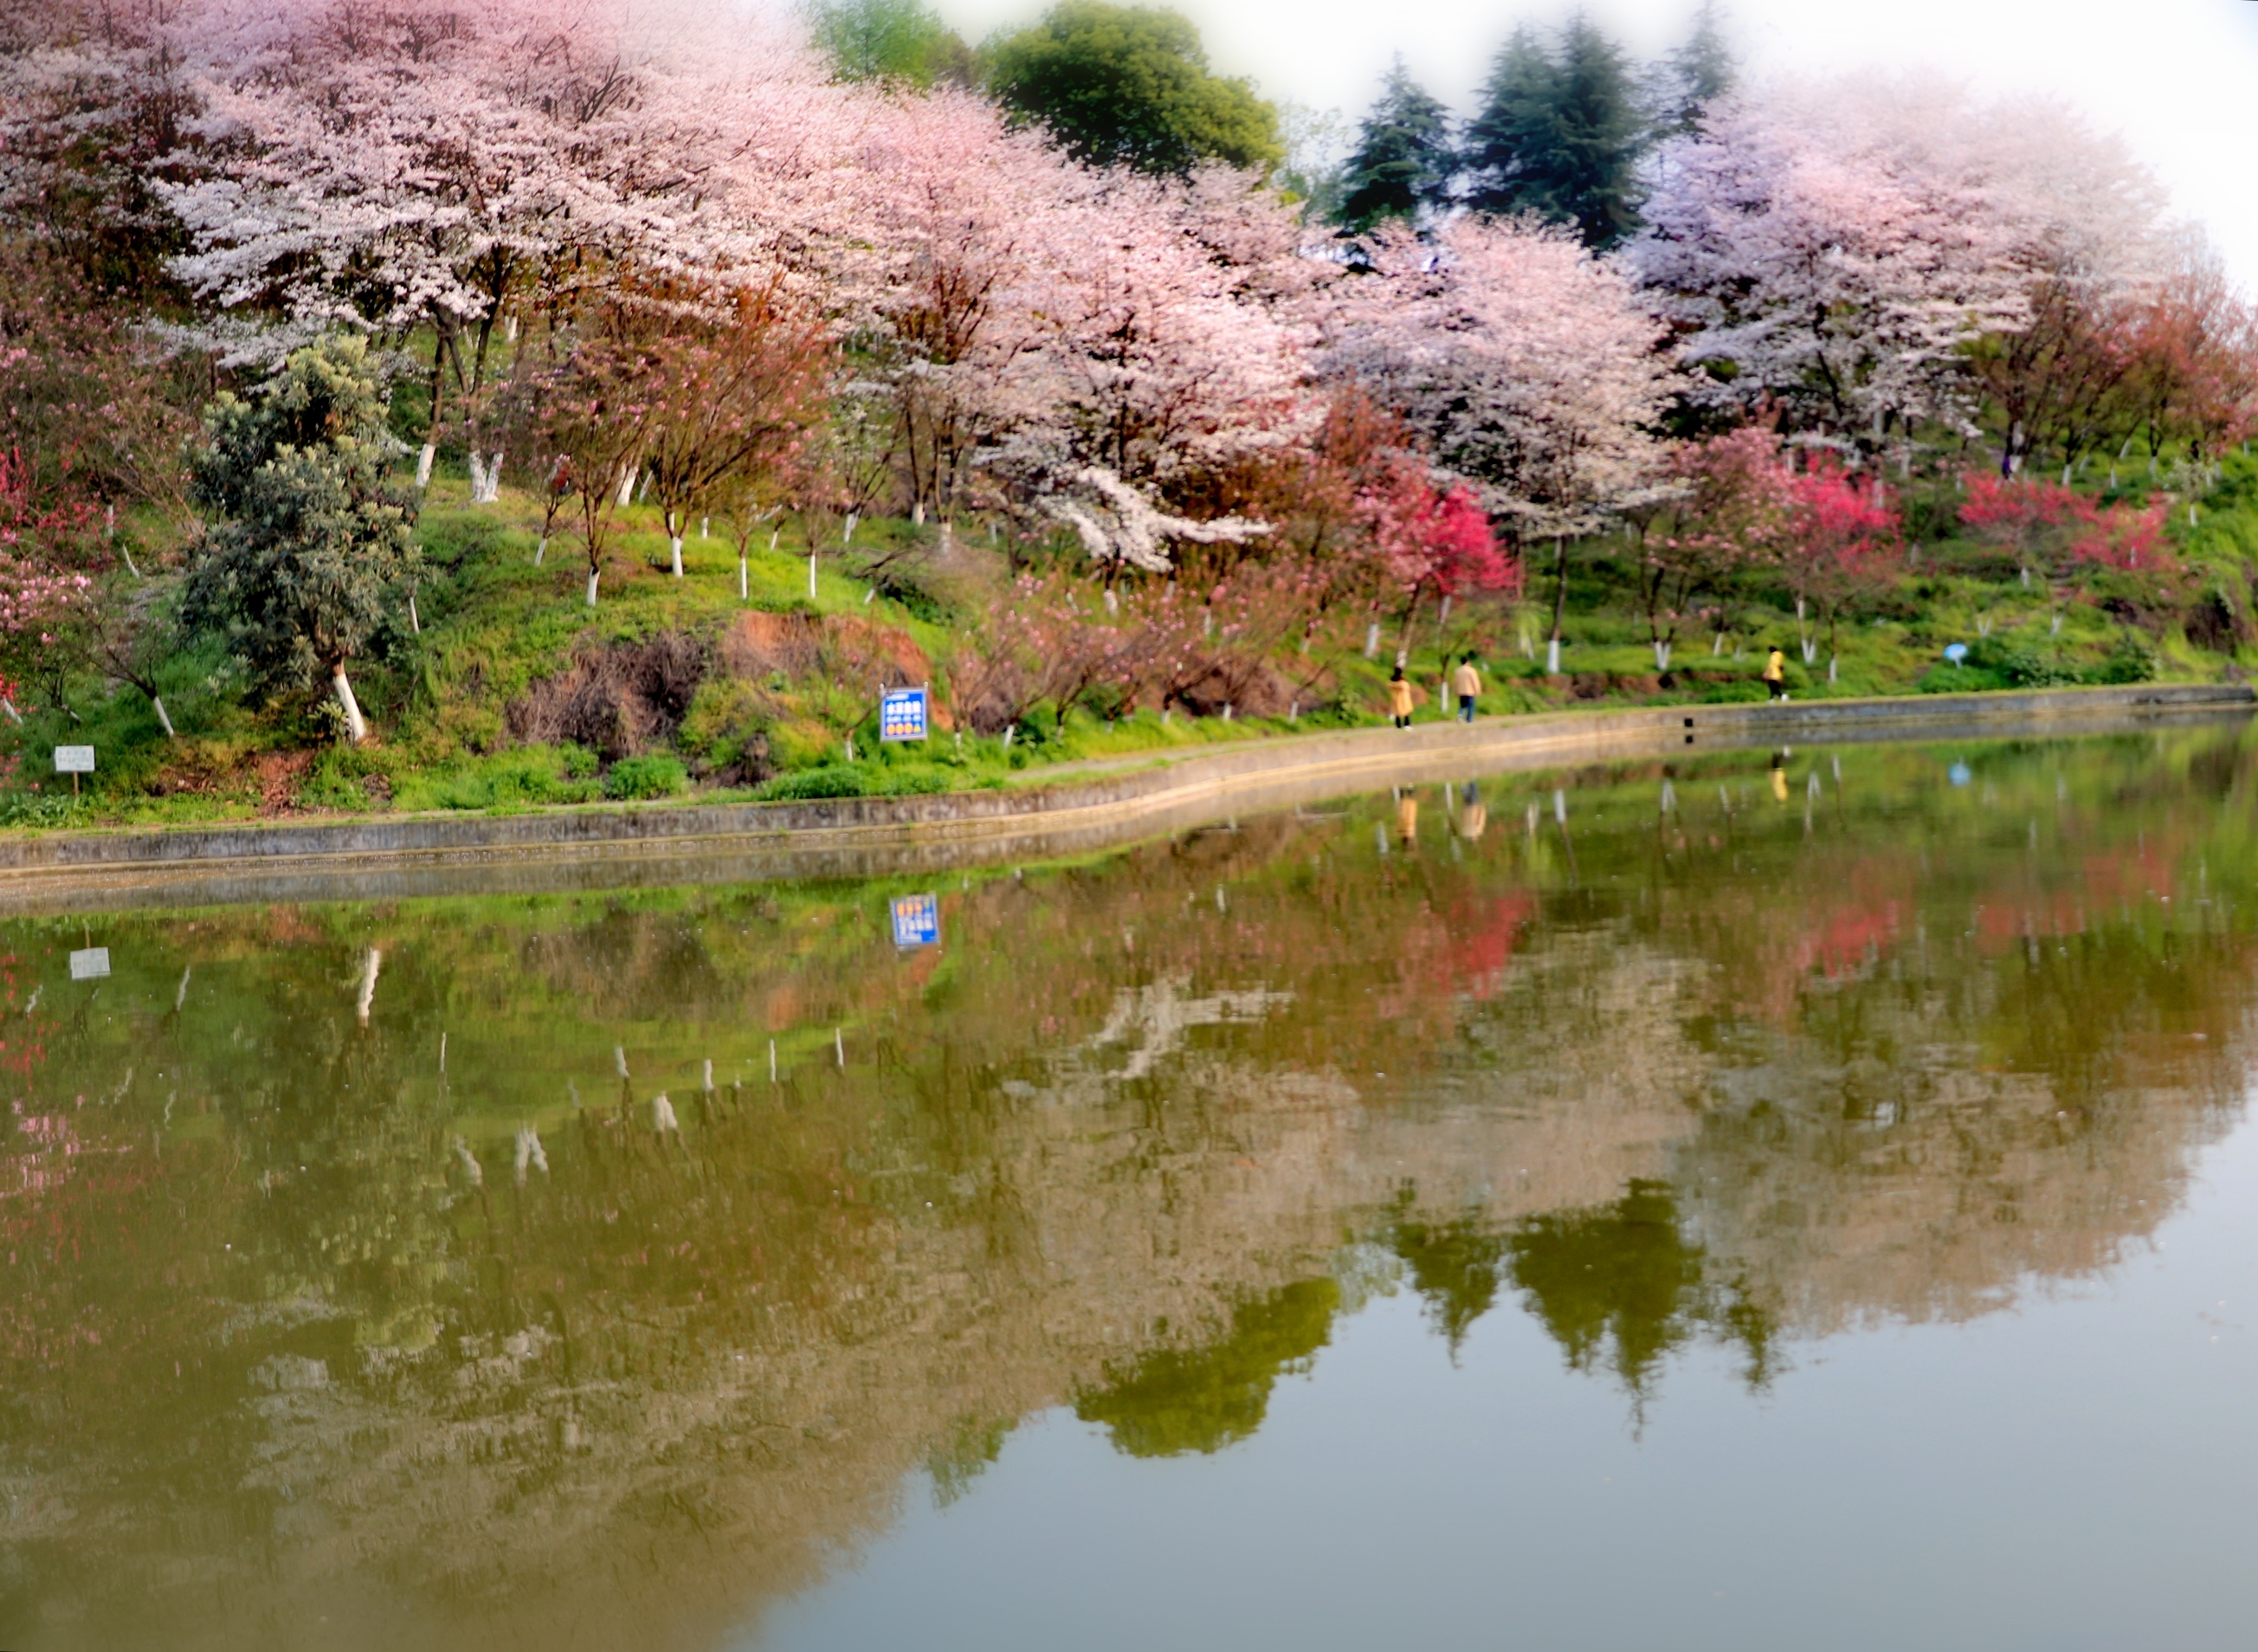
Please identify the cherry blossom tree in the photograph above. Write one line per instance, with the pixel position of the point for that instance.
(1432, 539)
(1527, 367)
(454, 164)
(1814, 256)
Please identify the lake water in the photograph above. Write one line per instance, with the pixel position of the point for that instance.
(1786, 1200)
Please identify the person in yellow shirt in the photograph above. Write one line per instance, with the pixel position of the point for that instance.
(1466, 683)
(1775, 675)
(1399, 699)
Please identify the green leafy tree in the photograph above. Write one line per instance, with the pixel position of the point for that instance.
(306, 538)
(1130, 86)
(1560, 134)
(1402, 163)
(902, 40)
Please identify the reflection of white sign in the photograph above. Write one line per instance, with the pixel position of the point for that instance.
(92, 964)
(73, 760)
(917, 921)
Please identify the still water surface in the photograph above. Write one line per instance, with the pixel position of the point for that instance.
(1787, 1202)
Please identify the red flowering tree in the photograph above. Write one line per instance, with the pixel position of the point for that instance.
(1736, 508)
(2058, 535)
(1430, 538)
(1843, 542)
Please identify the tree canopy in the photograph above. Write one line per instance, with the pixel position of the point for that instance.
(1130, 86)
(902, 40)
(1560, 133)
(306, 540)
(1402, 162)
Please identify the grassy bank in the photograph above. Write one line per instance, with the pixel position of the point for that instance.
(504, 690)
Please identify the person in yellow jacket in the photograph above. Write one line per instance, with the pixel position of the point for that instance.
(1466, 683)
(1775, 675)
(1399, 699)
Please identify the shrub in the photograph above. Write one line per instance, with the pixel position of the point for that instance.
(833, 780)
(654, 776)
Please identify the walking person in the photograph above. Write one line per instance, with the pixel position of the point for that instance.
(1399, 699)
(1775, 675)
(1466, 683)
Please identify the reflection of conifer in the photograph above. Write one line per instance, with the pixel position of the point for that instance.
(1174, 1401)
(1454, 1267)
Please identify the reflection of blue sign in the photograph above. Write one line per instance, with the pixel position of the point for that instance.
(1959, 775)
(901, 715)
(916, 920)
(1956, 652)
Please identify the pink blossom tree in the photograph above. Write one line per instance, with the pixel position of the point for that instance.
(1528, 368)
(1843, 541)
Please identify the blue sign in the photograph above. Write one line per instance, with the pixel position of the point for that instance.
(1956, 652)
(901, 715)
(916, 920)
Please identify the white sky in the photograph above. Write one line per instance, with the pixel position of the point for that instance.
(2178, 78)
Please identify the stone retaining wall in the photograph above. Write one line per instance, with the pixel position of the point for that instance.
(592, 847)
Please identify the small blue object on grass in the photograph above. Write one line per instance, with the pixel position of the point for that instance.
(916, 920)
(1956, 652)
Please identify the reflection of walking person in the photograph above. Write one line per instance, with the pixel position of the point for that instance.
(1473, 814)
(1407, 818)
(1466, 683)
(1775, 675)
(1779, 777)
(1399, 699)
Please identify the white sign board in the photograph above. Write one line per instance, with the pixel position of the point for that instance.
(73, 760)
(92, 964)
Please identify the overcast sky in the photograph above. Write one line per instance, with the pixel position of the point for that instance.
(2179, 78)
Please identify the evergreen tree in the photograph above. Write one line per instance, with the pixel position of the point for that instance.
(1699, 73)
(307, 541)
(1560, 134)
(1403, 161)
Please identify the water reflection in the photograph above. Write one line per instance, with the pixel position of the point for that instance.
(449, 1274)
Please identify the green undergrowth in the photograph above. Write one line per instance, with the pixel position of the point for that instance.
(494, 628)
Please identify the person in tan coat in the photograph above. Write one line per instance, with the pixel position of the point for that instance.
(1399, 699)
(1466, 683)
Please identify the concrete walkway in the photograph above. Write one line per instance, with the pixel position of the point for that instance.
(1134, 796)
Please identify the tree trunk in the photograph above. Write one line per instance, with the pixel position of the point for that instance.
(369, 965)
(744, 580)
(1559, 602)
(675, 544)
(431, 433)
(1661, 656)
(592, 576)
(164, 720)
(356, 729)
(541, 550)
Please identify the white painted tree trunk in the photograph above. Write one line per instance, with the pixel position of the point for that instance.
(1372, 640)
(705, 527)
(744, 579)
(1552, 656)
(355, 728)
(675, 544)
(478, 480)
(424, 465)
(917, 512)
(1810, 646)
(1662, 656)
(415, 620)
(509, 327)
(855, 520)
(1717, 645)
(1830, 668)
(164, 719)
(593, 577)
(8, 706)
(810, 576)
(541, 550)
(369, 963)
(626, 485)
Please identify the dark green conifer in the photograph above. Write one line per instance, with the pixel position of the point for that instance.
(1402, 162)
